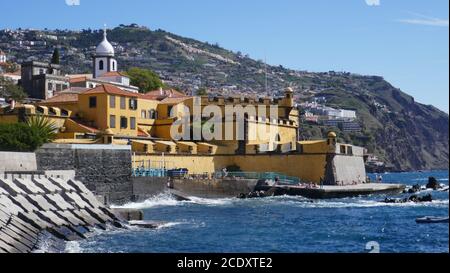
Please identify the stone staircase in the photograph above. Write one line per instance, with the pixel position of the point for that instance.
(63, 207)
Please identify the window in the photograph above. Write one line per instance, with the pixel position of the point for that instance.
(50, 86)
(123, 103)
(123, 123)
(350, 150)
(152, 114)
(133, 104)
(101, 65)
(112, 121)
(343, 149)
(169, 110)
(92, 102)
(112, 101)
(278, 138)
(114, 66)
(143, 114)
(133, 123)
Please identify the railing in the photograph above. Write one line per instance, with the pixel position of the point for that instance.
(184, 173)
(258, 176)
(144, 172)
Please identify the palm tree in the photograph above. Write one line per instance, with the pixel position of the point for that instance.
(45, 128)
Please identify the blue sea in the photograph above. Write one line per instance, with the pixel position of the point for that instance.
(284, 224)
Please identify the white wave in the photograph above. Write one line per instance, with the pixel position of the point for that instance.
(211, 202)
(169, 225)
(168, 200)
(160, 200)
(355, 202)
(73, 247)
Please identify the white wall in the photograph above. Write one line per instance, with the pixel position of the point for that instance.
(11, 161)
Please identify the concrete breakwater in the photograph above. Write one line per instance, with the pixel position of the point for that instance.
(30, 206)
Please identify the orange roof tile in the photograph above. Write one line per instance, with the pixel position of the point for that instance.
(174, 100)
(165, 93)
(90, 129)
(142, 133)
(79, 79)
(61, 98)
(111, 90)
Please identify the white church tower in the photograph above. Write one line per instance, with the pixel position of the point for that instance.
(104, 60)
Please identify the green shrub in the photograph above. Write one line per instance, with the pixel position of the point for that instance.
(19, 137)
(26, 137)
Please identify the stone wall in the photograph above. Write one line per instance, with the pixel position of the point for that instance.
(104, 169)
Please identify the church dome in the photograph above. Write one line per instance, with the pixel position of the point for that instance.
(104, 48)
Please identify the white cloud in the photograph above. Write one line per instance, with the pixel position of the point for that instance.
(373, 2)
(425, 20)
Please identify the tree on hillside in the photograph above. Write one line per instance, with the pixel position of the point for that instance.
(55, 57)
(10, 90)
(145, 79)
(202, 92)
(11, 67)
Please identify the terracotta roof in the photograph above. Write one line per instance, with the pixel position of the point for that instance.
(142, 133)
(111, 90)
(79, 79)
(62, 97)
(90, 129)
(165, 93)
(114, 74)
(174, 100)
(147, 97)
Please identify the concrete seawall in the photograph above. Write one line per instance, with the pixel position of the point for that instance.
(30, 206)
(145, 187)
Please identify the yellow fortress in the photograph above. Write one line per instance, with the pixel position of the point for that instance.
(106, 112)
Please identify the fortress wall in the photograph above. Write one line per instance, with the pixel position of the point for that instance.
(308, 167)
(349, 169)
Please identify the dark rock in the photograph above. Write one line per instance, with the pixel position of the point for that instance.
(433, 184)
(412, 198)
(414, 189)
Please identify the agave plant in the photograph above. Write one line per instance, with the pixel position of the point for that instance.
(45, 128)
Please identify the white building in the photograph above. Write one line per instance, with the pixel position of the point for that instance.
(2, 57)
(104, 61)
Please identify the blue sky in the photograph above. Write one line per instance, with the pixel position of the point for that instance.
(405, 41)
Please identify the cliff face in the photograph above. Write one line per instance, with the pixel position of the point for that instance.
(405, 134)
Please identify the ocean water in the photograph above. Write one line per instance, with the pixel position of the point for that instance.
(283, 224)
